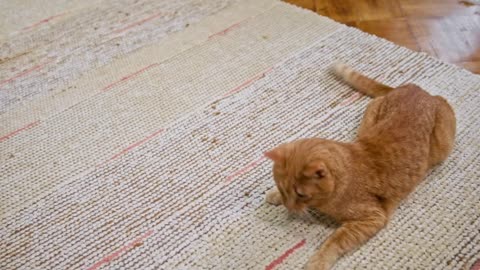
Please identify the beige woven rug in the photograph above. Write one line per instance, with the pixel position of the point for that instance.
(132, 133)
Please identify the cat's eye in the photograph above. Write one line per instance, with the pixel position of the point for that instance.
(320, 173)
(301, 195)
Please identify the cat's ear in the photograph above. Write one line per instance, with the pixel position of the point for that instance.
(280, 153)
(276, 155)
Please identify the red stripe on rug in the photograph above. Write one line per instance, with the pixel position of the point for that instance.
(106, 88)
(287, 253)
(15, 132)
(154, 16)
(245, 169)
(130, 147)
(226, 30)
(25, 72)
(119, 252)
(44, 21)
(247, 83)
(351, 99)
(476, 265)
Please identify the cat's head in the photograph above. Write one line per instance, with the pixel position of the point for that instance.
(305, 172)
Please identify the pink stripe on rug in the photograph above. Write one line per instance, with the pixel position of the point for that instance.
(245, 169)
(130, 147)
(247, 83)
(119, 252)
(44, 21)
(25, 72)
(476, 265)
(351, 99)
(154, 16)
(126, 78)
(228, 29)
(284, 256)
(15, 132)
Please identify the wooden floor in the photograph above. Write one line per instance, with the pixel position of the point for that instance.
(446, 29)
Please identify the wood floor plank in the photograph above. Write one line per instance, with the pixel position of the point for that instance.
(355, 11)
(451, 38)
(437, 8)
(446, 29)
(307, 4)
(395, 30)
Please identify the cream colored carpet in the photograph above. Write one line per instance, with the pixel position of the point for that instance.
(132, 133)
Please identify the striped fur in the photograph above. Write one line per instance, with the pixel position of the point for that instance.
(360, 82)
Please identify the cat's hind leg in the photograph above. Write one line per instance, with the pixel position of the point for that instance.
(443, 135)
(370, 116)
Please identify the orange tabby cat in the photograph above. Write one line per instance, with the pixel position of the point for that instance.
(405, 132)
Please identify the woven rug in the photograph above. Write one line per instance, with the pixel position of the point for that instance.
(132, 134)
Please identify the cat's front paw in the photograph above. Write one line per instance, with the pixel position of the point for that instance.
(274, 197)
(316, 266)
(317, 263)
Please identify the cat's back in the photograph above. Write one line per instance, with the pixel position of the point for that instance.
(408, 110)
(410, 98)
(404, 122)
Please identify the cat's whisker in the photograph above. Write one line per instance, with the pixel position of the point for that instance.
(305, 214)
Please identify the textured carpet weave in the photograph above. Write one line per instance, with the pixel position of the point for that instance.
(132, 134)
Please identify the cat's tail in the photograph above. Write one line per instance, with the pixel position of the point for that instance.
(360, 82)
